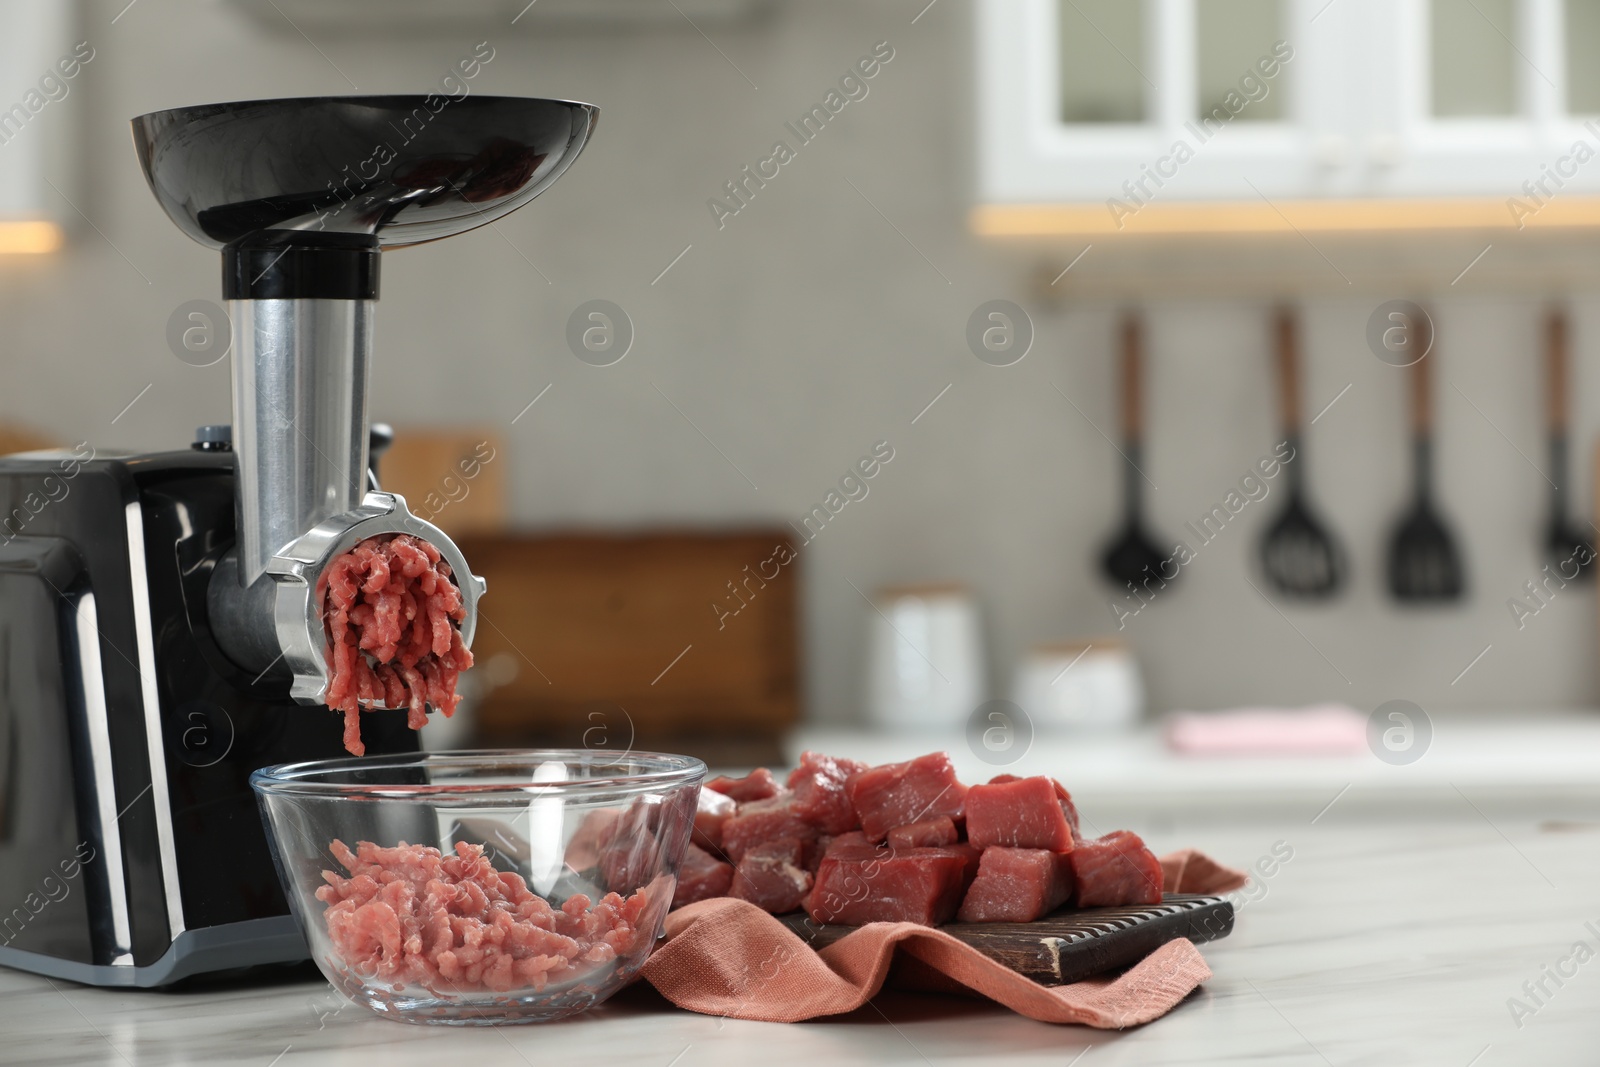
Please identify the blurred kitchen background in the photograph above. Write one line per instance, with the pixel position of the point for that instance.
(775, 348)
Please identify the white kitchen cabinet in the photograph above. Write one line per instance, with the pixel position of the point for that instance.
(1479, 100)
(40, 100)
(1108, 115)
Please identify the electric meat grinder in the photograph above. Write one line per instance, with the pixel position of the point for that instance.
(160, 623)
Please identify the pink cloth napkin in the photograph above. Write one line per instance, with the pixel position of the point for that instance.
(728, 957)
(1317, 730)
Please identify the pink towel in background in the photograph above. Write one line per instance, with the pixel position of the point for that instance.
(727, 957)
(1316, 730)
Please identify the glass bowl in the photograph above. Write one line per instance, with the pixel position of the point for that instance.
(480, 887)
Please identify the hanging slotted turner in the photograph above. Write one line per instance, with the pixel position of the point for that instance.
(1300, 557)
(1424, 564)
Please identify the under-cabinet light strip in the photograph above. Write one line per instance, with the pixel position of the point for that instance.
(1285, 216)
(28, 237)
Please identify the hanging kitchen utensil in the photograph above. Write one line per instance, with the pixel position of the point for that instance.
(1424, 563)
(1301, 558)
(1132, 558)
(1569, 546)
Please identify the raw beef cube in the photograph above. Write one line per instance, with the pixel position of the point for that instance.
(1017, 885)
(896, 794)
(969, 855)
(929, 833)
(844, 840)
(592, 835)
(835, 767)
(819, 792)
(757, 785)
(761, 821)
(700, 877)
(714, 810)
(1067, 805)
(1068, 808)
(631, 856)
(858, 884)
(827, 843)
(1021, 813)
(771, 877)
(790, 850)
(1115, 869)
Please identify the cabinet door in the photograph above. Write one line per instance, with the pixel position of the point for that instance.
(1483, 98)
(1133, 101)
(1118, 104)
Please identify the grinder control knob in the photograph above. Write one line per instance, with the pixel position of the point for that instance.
(213, 438)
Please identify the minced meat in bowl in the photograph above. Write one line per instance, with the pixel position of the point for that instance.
(481, 887)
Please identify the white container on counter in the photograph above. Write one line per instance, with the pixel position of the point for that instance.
(1080, 685)
(925, 668)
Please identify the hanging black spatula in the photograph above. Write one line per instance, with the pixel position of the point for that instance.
(1300, 556)
(1569, 548)
(1132, 557)
(1424, 563)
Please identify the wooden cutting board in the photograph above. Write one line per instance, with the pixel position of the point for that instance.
(1074, 943)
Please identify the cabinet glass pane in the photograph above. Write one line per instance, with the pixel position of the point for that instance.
(1473, 58)
(1233, 36)
(1102, 56)
(1583, 57)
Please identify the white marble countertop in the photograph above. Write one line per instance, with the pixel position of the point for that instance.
(1391, 940)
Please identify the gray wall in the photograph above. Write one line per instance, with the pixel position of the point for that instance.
(808, 329)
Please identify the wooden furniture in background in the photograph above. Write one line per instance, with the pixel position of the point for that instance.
(680, 641)
(15, 438)
(454, 478)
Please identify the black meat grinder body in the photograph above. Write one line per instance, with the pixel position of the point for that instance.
(131, 852)
(144, 673)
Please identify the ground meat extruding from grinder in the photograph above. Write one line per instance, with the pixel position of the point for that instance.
(393, 616)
